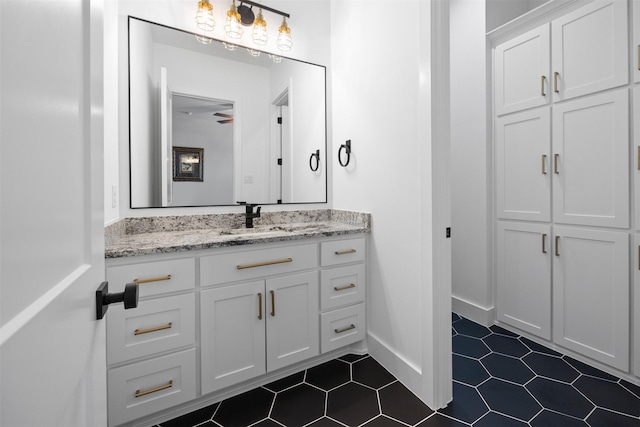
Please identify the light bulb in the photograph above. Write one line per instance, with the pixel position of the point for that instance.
(232, 27)
(275, 58)
(253, 52)
(284, 41)
(230, 46)
(204, 16)
(259, 33)
(203, 39)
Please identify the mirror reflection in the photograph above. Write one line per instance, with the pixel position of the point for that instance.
(213, 127)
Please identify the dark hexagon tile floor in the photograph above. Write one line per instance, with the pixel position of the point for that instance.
(500, 379)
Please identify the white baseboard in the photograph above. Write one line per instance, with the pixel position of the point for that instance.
(482, 315)
(406, 372)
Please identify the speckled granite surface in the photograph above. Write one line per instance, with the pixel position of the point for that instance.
(166, 234)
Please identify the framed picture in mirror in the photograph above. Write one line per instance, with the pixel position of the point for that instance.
(188, 164)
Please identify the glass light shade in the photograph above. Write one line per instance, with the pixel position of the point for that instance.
(253, 52)
(259, 34)
(203, 39)
(284, 41)
(230, 46)
(275, 58)
(233, 27)
(204, 16)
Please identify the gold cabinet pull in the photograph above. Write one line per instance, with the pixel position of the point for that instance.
(544, 243)
(154, 329)
(350, 251)
(153, 279)
(544, 164)
(557, 244)
(542, 84)
(348, 328)
(555, 164)
(555, 82)
(262, 264)
(153, 390)
(260, 305)
(273, 303)
(342, 288)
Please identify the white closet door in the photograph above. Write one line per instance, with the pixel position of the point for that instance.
(636, 150)
(635, 62)
(524, 277)
(591, 294)
(522, 72)
(589, 48)
(636, 303)
(523, 173)
(591, 160)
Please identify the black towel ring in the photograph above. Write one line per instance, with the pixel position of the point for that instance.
(347, 148)
(317, 156)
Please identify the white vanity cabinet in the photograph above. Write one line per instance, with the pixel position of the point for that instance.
(342, 293)
(151, 349)
(210, 320)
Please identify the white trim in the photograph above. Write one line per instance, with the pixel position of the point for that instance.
(406, 372)
(467, 309)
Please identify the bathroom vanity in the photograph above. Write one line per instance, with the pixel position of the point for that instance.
(223, 308)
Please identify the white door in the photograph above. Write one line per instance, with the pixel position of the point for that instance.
(636, 304)
(523, 173)
(589, 48)
(522, 72)
(52, 361)
(591, 160)
(635, 58)
(232, 336)
(293, 319)
(636, 151)
(591, 294)
(524, 277)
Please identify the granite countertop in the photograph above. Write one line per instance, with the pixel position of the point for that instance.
(170, 234)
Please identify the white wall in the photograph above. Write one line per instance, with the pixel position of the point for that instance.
(310, 28)
(380, 88)
(471, 290)
(499, 12)
(111, 152)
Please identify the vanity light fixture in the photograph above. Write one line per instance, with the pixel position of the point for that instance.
(204, 21)
(259, 34)
(275, 58)
(284, 41)
(230, 46)
(232, 27)
(253, 52)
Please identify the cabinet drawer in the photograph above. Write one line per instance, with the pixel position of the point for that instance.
(144, 388)
(155, 277)
(341, 286)
(342, 327)
(342, 251)
(237, 266)
(154, 326)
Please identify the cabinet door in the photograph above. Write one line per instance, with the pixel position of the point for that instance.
(293, 329)
(522, 72)
(232, 334)
(635, 62)
(589, 48)
(591, 294)
(523, 165)
(524, 277)
(636, 150)
(636, 305)
(591, 160)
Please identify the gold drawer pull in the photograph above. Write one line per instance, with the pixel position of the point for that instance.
(348, 328)
(557, 245)
(157, 328)
(153, 279)
(555, 82)
(350, 251)
(259, 305)
(342, 288)
(262, 264)
(543, 79)
(544, 164)
(153, 390)
(273, 303)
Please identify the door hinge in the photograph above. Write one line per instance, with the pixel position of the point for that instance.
(280, 162)
(279, 120)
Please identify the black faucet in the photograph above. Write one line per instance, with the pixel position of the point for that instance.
(250, 214)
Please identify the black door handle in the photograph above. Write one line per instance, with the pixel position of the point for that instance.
(104, 298)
